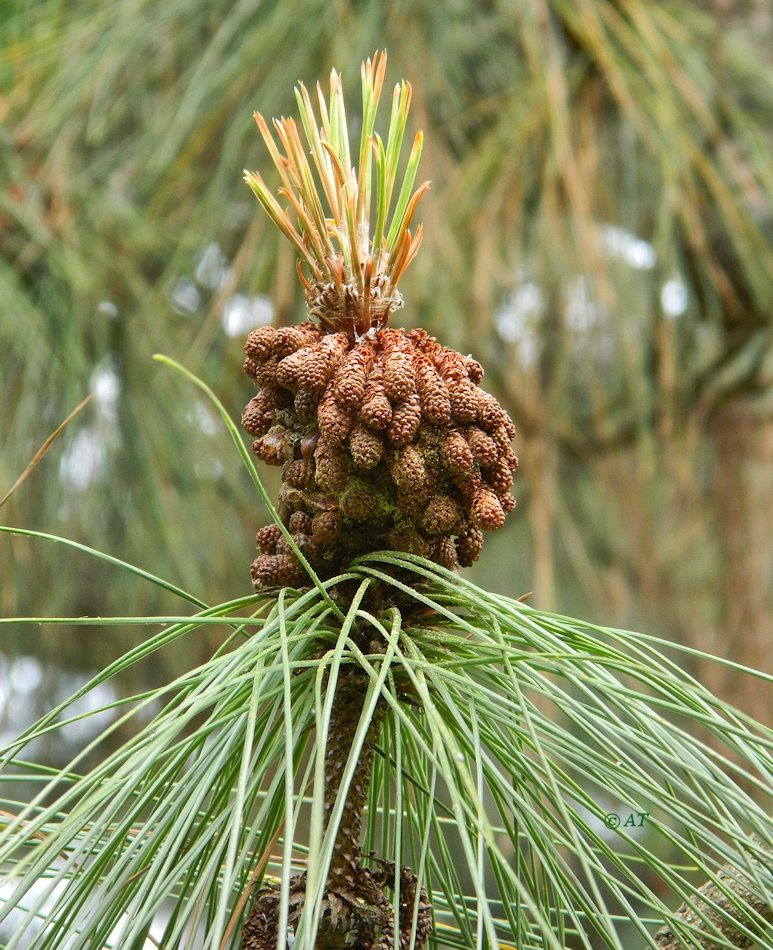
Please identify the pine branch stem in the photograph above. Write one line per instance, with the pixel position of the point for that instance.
(721, 909)
(347, 707)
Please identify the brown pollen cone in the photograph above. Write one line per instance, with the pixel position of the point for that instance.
(387, 442)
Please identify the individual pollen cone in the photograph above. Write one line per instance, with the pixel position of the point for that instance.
(464, 402)
(325, 527)
(351, 381)
(259, 411)
(405, 422)
(433, 395)
(276, 570)
(486, 510)
(300, 523)
(469, 545)
(385, 438)
(366, 447)
(266, 539)
(361, 503)
(300, 473)
(399, 376)
(441, 515)
(457, 454)
(331, 467)
(335, 423)
(484, 448)
(376, 410)
(408, 468)
(444, 553)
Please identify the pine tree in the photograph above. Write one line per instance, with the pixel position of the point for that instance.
(465, 759)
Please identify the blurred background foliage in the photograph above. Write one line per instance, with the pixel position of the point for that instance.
(597, 234)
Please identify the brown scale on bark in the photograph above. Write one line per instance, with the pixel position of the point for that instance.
(390, 431)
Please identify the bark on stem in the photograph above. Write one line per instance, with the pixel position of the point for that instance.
(355, 911)
(345, 716)
(723, 913)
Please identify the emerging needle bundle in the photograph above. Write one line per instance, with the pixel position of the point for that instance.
(385, 437)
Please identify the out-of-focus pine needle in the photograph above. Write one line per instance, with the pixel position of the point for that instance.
(37, 457)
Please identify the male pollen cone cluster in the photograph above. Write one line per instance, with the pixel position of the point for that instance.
(387, 442)
(385, 438)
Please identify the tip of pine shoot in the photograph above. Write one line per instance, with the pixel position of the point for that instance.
(348, 216)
